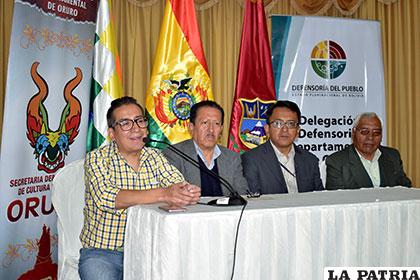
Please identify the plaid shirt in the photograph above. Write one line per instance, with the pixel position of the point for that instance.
(107, 172)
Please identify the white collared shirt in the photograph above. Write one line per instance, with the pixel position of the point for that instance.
(372, 167)
(289, 162)
(216, 154)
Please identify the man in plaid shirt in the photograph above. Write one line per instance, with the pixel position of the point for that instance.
(119, 175)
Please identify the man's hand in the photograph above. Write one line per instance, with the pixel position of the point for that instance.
(182, 194)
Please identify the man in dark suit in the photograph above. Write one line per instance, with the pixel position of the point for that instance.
(206, 126)
(279, 166)
(365, 163)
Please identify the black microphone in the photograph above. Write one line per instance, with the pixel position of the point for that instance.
(234, 198)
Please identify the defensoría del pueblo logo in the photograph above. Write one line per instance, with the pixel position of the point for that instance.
(328, 59)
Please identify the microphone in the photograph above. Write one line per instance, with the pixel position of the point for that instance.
(234, 198)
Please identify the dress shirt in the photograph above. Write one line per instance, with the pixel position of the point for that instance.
(216, 154)
(289, 162)
(372, 167)
(106, 173)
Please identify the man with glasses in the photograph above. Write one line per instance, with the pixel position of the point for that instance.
(365, 163)
(205, 127)
(118, 175)
(278, 165)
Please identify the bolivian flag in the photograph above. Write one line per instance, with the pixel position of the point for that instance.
(106, 77)
(180, 76)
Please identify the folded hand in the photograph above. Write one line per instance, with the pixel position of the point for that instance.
(182, 194)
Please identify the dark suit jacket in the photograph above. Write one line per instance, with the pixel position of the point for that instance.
(345, 170)
(229, 165)
(264, 174)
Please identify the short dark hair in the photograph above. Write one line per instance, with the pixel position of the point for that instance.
(116, 103)
(206, 103)
(292, 106)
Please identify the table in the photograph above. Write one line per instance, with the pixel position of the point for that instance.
(280, 236)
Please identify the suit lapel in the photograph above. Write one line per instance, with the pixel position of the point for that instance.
(385, 169)
(193, 171)
(357, 169)
(274, 170)
(225, 170)
(223, 165)
(298, 163)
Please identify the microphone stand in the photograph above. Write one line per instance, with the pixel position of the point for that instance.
(234, 198)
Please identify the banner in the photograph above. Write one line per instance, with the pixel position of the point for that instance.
(106, 79)
(332, 68)
(254, 83)
(179, 77)
(44, 128)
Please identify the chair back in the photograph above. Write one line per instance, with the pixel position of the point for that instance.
(68, 198)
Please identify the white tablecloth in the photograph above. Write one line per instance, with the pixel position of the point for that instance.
(280, 237)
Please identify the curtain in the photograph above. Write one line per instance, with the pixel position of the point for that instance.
(220, 22)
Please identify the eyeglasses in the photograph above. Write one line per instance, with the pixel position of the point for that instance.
(367, 131)
(281, 123)
(127, 124)
(206, 124)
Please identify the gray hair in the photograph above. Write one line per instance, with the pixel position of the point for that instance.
(368, 115)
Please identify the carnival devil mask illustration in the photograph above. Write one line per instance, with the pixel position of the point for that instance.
(51, 147)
